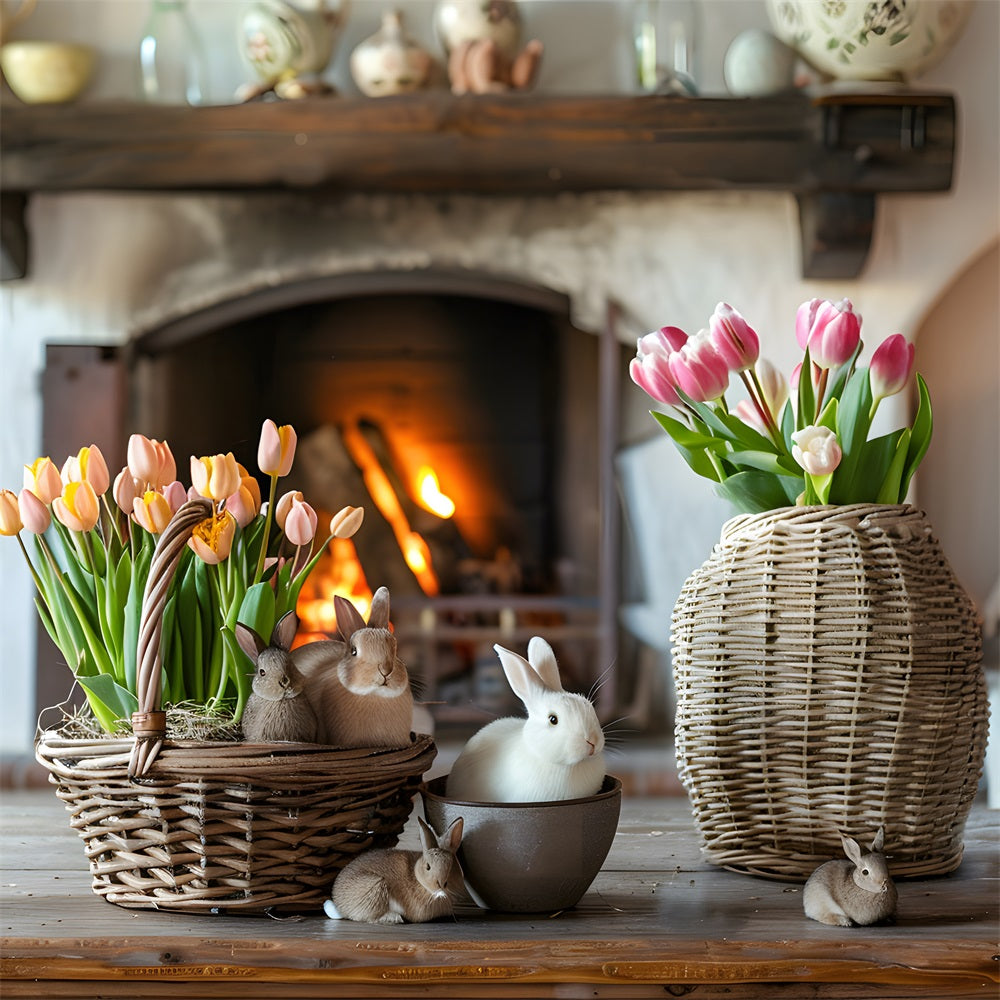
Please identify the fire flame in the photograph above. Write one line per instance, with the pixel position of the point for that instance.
(431, 497)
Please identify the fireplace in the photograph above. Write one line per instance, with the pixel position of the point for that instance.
(481, 384)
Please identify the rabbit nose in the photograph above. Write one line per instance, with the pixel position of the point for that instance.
(283, 682)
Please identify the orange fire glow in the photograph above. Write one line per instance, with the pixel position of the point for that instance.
(338, 572)
(431, 497)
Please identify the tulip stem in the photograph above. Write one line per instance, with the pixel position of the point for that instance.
(756, 393)
(824, 374)
(267, 530)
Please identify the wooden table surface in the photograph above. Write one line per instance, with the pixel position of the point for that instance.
(657, 922)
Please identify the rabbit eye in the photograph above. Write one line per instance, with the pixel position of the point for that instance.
(260, 673)
(354, 650)
(864, 871)
(553, 719)
(427, 867)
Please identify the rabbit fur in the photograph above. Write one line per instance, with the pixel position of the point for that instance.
(556, 753)
(858, 891)
(277, 709)
(394, 886)
(358, 686)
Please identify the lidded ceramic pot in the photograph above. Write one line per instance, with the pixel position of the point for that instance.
(390, 61)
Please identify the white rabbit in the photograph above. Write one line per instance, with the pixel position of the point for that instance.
(556, 753)
(859, 891)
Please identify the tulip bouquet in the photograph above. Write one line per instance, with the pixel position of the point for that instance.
(93, 543)
(779, 447)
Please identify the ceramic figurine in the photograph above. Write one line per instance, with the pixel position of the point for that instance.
(390, 61)
(289, 45)
(482, 39)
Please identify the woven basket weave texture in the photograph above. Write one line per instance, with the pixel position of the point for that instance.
(829, 678)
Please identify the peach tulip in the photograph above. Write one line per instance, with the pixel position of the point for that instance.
(300, 523)
(241, 505)
(212, 539)
(125, 489)
(151, 461)
(10, 514)
(284, 505)
(276, 450)
(88, 464)
(43, 479)
(34, 513)
(152, 512)
(176, 495)
(215, 477)
(346, 522)
(78, 507)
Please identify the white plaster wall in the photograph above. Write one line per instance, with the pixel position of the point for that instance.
(105, 267)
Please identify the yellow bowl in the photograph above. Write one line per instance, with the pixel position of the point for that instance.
(47, 72)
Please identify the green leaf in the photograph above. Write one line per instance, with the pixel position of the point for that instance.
(109, 700)
(753, 492)
(854, 423)
(765, 461)
(920, 437)
(787, 424)
(687, 436)
(889, 490)
(807, 394)
(873, 465)
(133, 611)
(828, 418)
(257, 610)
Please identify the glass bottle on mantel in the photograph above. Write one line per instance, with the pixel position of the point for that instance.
(171, 56)
(664, 34)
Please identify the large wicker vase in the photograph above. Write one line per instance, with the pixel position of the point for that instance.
(829, 679)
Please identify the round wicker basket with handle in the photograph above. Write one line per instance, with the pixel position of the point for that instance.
(214, 827)
(829, 678)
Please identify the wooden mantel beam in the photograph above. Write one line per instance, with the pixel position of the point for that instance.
(834, 151)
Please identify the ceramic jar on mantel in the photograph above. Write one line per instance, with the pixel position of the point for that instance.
(877, 40)
(499, 21)
(390, 61)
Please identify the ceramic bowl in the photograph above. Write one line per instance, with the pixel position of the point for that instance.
(529, 857)
(47, 72)
(869, 39)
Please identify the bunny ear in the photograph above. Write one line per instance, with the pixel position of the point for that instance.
(251, 643)
(284, 631)
(378, 617)
(543, 661)
(349, 619)
(879, 840)
(525, 683)
(851, 849)
(428, 838)
(451, 839)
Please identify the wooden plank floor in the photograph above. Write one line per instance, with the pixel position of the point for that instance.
(657, 922)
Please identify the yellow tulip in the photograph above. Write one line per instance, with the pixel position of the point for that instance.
(43, 479)
(276, 450)
(77, 508)
(212, 539)
(215, 477)
(10, 514)
(152, 511)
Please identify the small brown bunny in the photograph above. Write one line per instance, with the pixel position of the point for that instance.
(277, 710)
(859, 891)
(358, 686)
(395, 886)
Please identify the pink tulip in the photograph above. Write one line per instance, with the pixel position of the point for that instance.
(276, 450)
(698, 369)
(152, 512)
(666, 340)
(43, 479)
(125, 490)
(284, 505)
(176, 495)
(151, 461)
(651, 373)
(831, 331)
(892, 364)
(300, 523)
(241, 505)
(10, 514)
(733, 338)
(77, 508)
(34, 513)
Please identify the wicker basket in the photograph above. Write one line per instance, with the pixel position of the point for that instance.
(216, 827)
(829, 680)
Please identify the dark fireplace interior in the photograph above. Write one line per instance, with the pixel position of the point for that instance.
(511, 408)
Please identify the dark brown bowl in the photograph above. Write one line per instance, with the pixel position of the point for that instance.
(529, 857)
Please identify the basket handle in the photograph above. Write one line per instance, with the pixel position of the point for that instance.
(149, 723)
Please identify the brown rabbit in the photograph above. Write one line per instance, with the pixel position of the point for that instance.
(358, 686)
(277, 710)
(859, 891)
(395, 886)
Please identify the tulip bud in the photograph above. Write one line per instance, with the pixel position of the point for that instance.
(77, 508)
(750, 415)
(284, 505)
(699, 370)
(300, 523)
(831, 331)
(817, 450)
(241, 505)
(346, 522)
(176, 495)
(276, 450)
(88, 464)
(772, 385)
(152, 512)
(43, 479)
(125, 490)
(733, 338)
(892, 364)
(10, 514)
(215, 477)
(151, 461)
(666, 340)
(652, 374)
(212, 539)
(34, 513)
